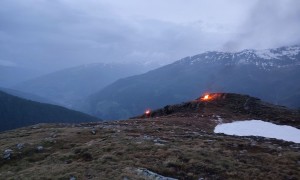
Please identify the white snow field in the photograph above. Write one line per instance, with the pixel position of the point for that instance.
(259, 128)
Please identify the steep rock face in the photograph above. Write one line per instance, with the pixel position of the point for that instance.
(272, 75)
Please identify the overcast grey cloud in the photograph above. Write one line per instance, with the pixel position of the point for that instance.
(271, 23)
(54, 34)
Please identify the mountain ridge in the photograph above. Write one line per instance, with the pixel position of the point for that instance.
(267, 58)
(16, 112)
(67, 87)
(193, 76)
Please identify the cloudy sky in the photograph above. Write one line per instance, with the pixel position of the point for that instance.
(54, 34)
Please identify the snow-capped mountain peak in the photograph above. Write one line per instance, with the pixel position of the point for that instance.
(265, 59)
(278, 53)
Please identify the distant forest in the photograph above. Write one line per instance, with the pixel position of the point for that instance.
(17, 112)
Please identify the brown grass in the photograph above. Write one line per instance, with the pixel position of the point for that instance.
(118, 148)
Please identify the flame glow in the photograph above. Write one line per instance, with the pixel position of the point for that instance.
(206, 97)
(147, 112)
(211, 96)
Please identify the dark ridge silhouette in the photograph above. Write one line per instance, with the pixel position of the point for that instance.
(16, 112)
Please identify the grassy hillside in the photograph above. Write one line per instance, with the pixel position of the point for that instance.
(178, 142)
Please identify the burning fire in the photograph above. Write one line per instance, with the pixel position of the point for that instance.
(206, 97)
(147, 112)
(211, 96)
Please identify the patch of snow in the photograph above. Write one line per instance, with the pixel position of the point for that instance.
(291, 51)
(267, 54)
(259, 128)
(263, 58)
(242, 61)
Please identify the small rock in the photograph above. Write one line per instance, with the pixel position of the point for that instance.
(158, 144)
(72, 178)
(295, 146)
(243, 151)
(93, 132)
(209, 141)
(190, 174)
(39, 148)
(35, 127)
(146, 174)
(20, 146)
(50, 140)
(68, 161)
(7, 154)
(53, 135)
(147, 137)
(158, 140)
(125, 178)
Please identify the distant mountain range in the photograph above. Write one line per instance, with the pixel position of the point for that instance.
(12, 75)
(272, 75)
(68, 87)
(27, 96)
(17, 112)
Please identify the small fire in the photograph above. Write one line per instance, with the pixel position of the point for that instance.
(206, 97)
(148, 112)
(211, 96)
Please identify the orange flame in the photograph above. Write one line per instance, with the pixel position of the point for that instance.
(211, 96)
(206, 97)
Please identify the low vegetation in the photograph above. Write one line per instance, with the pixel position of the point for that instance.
(180, 145)
(118, 148)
